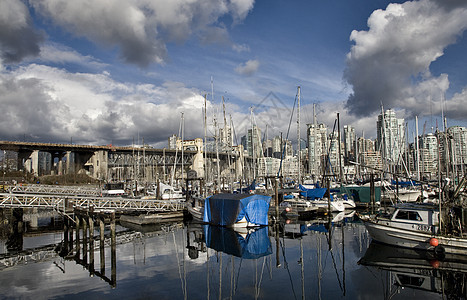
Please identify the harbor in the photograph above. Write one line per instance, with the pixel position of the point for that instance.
(318, 258)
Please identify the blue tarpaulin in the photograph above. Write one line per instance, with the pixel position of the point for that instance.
(254, 245)
(312, 194)
(227, 209)
(404, 183)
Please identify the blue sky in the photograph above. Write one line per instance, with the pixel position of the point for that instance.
(100, 72)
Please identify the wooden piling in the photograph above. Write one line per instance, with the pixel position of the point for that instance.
(101, 244)
(113, 250)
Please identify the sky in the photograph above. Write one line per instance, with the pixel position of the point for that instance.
(119, 72)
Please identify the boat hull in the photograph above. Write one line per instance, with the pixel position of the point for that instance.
(403, 237)
(197, 212)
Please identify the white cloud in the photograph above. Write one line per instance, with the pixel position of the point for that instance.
(142, 28)
(53, 105)
(248, 68)
(60, 54)
(241, 48)
(390, 63)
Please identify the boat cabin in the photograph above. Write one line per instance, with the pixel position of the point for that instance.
(413, 217)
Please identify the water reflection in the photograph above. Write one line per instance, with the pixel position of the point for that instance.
(245, 243)
(313, 259)
(418, 269)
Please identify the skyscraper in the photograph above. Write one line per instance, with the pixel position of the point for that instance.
(390, 137)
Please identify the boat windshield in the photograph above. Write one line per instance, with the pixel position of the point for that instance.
(408, 215)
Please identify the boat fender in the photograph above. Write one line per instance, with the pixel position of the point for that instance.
(434, 263)
(434, 242)
(440, 252)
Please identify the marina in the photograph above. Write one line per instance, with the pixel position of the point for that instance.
(183, 259)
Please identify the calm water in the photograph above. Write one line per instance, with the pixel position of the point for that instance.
(182, 260)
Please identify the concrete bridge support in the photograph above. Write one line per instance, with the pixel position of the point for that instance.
(98, 165)
(31, 161)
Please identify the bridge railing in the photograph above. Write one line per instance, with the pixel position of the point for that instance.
(51, 189)
(63, 203)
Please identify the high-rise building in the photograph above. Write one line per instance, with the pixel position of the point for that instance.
(276, 147)
(173, 141)
(349, 143)
(267, 148)
(390, 137)
(428, 145)
(226, 138)
(254, 142)
(317, 141)
(458, 146)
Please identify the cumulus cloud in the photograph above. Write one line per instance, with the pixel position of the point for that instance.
(390, 62)
(18, 37)
(248, 68)
(141, 29)
(52, 105)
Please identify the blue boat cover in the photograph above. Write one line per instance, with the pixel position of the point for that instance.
(254, 245)
(404, 183)
(227, 209)
(247, 189)
(312, 194)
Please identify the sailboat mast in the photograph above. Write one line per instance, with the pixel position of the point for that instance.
(205, 142)
(417, 150)
(183, 139)
(298, 136)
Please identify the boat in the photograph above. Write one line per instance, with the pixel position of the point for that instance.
(196, 208)
(421, 270)
(315, 197)
(113, 189)
(401, 195)
(416, 226)
(236, 210)
(171, 193)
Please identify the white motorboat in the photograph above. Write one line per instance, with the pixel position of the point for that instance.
(414, 226)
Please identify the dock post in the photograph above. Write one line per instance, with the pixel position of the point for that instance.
(158, 189)
(113, 250)
(372, 193)
(101, 244)
(78, 245)
(276, 198)
(85, 241)
(91, 240)
(18, 219)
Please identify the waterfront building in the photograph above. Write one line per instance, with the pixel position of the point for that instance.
(390, 137)
(226, 138)
(267, 148)
(458, 139)
(317, 141)
(254, 142)
(268, 166)
(173, 141)
(244, 143)
(349, 143)
(371, 159)
(428, 145)
(288, 148)
(276, 147)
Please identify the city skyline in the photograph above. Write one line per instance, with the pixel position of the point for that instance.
(70, 72)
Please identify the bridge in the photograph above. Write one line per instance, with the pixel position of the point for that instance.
(120, 163)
